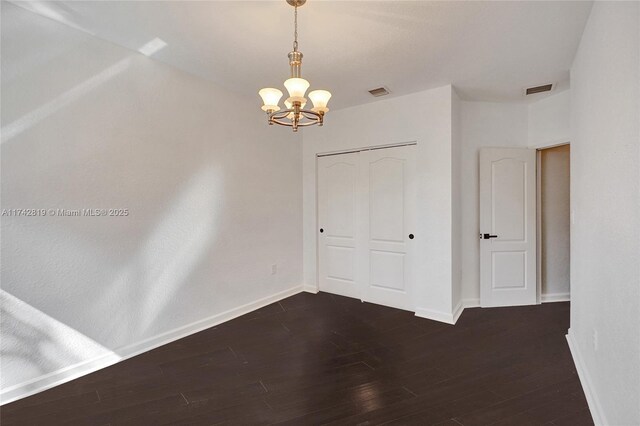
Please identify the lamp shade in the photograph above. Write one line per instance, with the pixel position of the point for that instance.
(296, 87)
(320, 99)
(270, 98)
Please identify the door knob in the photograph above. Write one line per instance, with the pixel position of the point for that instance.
(321, 230)
(411, 236)
(488, 236)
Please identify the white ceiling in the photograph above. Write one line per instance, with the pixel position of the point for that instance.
(487, 50)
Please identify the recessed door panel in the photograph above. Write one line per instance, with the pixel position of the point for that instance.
(509, 196)
(387, 270)
(386, 199)
(340, 261)
(341, 194)
(507, 227)
(509, 269)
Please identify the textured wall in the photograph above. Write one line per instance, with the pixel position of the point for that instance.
(456, 199)
(549, 120)
(213, 196)
(605, 204)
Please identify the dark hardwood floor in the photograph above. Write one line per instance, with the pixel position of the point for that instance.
(325, 359)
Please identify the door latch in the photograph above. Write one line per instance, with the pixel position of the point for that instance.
(487, 236)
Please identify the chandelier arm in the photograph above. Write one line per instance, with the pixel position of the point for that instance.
(314, 115)
(278, 117)
(290, 123)
(283, 113)
(318, 117)
(282, 123)
(310, 123)
(280, 114)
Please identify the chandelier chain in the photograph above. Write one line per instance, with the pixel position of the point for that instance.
(295, 28)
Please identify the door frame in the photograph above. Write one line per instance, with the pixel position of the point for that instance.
(539, 148)
(317, 216)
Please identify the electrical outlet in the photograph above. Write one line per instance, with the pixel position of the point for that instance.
(274, 269)
(595, 340)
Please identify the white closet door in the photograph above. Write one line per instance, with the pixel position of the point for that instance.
(387, 225)
(338, 221)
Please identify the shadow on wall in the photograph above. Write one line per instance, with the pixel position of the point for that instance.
(31, 119)
(77, 287)
(34, 344)
(165, 261)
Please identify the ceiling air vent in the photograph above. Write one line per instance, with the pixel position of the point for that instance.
(539, 89)
(380, 91)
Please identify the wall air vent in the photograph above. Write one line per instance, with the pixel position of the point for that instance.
(538, 89)
(380, 91)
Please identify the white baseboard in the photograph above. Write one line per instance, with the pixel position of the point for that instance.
(585, 380)
(431, 314)
(58, 377)
(457, 311)
(71, 372)
(471, 303)
(545, 298)
(310, 289)
(555, 297)
(446, 317)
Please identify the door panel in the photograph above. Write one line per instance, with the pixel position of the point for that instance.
(340, 178)
(509, 269)
(508, 177)
(337, 216)
(507, 214)
(388, 196)
(340, 261)
(387, 270)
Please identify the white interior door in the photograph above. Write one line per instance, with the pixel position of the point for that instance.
(388, 198)
(366, 205)
(507, 226)
(338, 220)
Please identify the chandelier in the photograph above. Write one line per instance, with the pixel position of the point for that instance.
(295, 115)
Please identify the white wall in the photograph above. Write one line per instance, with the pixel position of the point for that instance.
(549, 120)
(483, 124)
(456, 202)
(554, 244)
(387, 122)
(605, 202)
(214, 198)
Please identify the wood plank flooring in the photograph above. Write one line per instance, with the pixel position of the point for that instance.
(326, 359)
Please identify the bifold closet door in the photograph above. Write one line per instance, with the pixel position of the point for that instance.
(366, 205)
(338, 221)
(388, 232)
